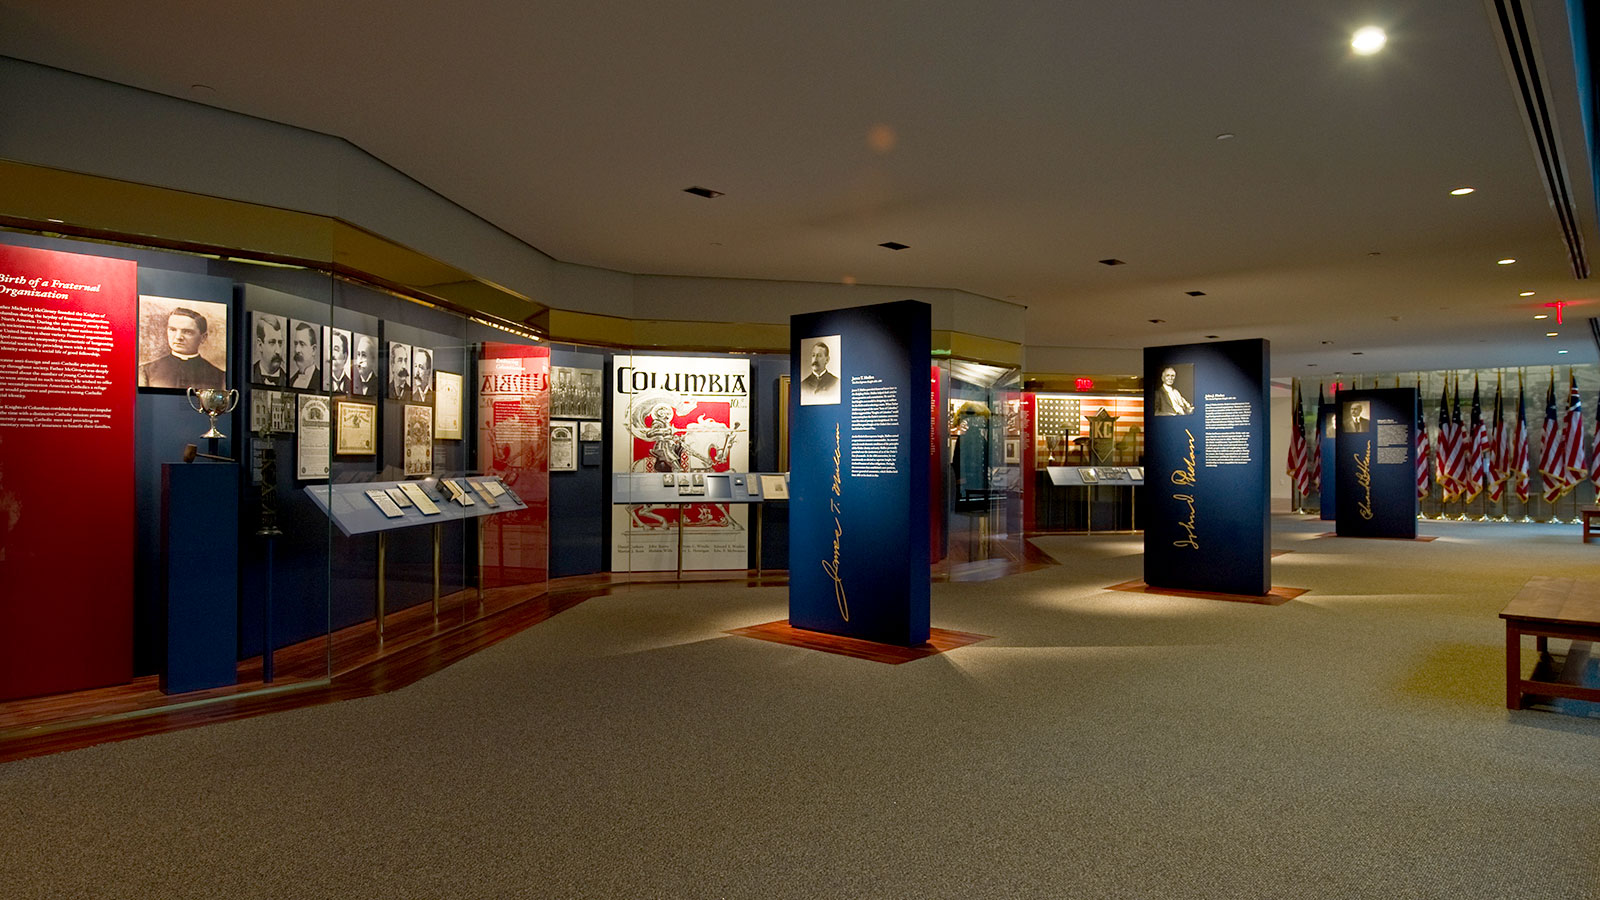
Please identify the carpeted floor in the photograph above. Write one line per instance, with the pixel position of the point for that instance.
(1350, 743)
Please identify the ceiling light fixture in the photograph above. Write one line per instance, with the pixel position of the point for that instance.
(1195, 293)
(1504, 262)
(1156, 321)
(1561, 351)
(705, 192)
(1112, 262)
(1551, 333)
(1226, 136)
(1526, 294)
(894, 245)
(1461, 191)
(1368, 40)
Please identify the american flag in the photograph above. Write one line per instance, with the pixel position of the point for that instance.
(1475, 455)
(1460, 445)
(1594, 454)
(1572, 434)
(1442, 470)
(1297, 468)
(1517, 471)
(1314, 451)
(1550, 451)
(1424, 448)
(1499, 450)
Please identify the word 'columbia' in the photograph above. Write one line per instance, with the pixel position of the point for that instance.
(633, 381)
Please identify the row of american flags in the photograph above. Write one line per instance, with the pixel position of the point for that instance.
(1484, 453)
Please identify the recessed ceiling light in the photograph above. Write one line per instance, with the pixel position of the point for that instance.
(1369, 40)
(1542, 316)
(57, 221)
(1212, 337)
(1561, 351)
(1195, 293)
(1112, 262)
(1156, 321)
(894, 245)
(1311, 365)
(1461, 191)
(1504, 262)
(705, 192)
(1526, 294)
(1356, 352)
(1226, 136)
(1551, 333)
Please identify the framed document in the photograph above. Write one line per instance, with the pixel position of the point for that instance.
(313, 458)
(563, 446)
(774, 487)
(419, 440)
(447, 406)
(358, 429)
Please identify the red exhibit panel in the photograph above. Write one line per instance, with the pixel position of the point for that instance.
(67, 335)
(514, 443)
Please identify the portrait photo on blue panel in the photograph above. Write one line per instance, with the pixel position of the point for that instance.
(182, 343)
(1174, 390)
(820, 356)
(1357, 416)
(269, 340)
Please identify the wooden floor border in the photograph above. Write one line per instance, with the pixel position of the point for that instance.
(940, 640)
(1278, 596)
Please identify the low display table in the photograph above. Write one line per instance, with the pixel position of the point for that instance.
(1548, 607)
(1588, 515)
(353, 509)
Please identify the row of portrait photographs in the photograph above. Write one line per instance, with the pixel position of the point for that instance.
(303, 355)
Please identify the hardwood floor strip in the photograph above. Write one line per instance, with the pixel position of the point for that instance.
(1278, 596)
(940, 640)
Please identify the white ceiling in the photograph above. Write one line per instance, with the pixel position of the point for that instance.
(1028, 141)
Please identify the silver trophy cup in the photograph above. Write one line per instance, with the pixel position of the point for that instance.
(213, 402)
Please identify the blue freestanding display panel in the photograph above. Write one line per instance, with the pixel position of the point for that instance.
(858, 448)
(200, 571)
(1205, 505)
(1376, 473)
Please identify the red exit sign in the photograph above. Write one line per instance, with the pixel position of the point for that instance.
(1084, 384)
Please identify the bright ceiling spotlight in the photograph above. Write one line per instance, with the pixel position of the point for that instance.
(1369, 40)
(1526, 294)
(1461, 191)
(1504, 262)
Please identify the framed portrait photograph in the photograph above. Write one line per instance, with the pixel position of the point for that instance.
(399, 371)
(336, 344)
(1174, 392)
(357, 432)
(563, 446)
(819, 360)
(447, 406)
(305, 355)
(421, 375)
(364, 363)
(182, 343)
(269, 342)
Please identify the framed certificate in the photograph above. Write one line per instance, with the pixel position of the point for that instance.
(357, 434)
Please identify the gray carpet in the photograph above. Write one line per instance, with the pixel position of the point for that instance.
(1351, 743)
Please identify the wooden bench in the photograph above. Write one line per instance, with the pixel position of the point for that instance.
(1548, 607)
(1588, 514)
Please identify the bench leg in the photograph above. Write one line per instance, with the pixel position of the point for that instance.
(1513, 667)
